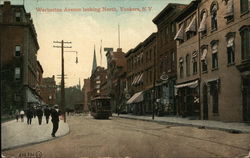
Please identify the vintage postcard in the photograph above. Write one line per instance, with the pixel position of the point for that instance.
(125, 78)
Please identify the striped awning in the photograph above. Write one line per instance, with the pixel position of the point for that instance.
(192, 25)
(136, 98)
(180, 34)
(203, 22)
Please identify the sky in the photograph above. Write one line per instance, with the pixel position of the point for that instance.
(85, 27)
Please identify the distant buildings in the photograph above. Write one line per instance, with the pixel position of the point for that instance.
(20, 71)
(86, 95)
(48, 90)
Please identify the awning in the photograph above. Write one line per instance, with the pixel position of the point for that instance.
(136, 98)
(135, 80)
(204, 54)
(194, 54)
(230, 42)
(31, 97)
(189, 84)
(215, 48)
(203, 22)
(140, 79)
(192, 25)
(212, 80)
(229, 10)
(180, 34)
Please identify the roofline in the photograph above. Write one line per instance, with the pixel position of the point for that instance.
(192, 6)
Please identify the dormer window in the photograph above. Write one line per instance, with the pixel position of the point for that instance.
(18, 16)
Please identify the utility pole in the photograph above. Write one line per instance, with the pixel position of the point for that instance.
(62, 79)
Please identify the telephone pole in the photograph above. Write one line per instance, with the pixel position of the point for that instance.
(62, 79)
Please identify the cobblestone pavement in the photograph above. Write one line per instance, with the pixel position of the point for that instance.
(126, 138)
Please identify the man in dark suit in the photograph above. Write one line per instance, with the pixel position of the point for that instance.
(39, 113)
(29, 115)
(55, 113)
(47, 114)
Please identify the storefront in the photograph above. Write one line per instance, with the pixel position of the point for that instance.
(187, 95)
(135, 104)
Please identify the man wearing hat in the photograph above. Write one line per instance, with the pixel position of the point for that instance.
(55, 119)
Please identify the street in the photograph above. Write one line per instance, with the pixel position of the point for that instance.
(126, 138)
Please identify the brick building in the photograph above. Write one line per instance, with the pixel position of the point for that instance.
(48, 90)
(166, 57)
(18, 49)
(116, 81)
(140, 76)
(86, 95)
(215, 47)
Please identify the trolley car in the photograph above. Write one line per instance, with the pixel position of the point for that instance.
(100, 107)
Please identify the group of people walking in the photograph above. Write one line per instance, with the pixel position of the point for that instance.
(38, 112)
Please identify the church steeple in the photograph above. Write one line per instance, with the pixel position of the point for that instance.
(94, 65)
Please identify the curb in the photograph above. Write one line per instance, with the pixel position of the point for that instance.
(234, 131)
(33, 143)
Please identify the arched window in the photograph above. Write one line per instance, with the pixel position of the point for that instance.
(214, 48)
(213, 10)
(204, 58)
(187, 64)
(203, 28)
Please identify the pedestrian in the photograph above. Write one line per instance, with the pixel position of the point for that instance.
(55, 119)
(29, 115)
(17, 115)
(47, 114)
(34, 111)
(39, 114)
(22, 115)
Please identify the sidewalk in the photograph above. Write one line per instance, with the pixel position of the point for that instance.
(15, 134)
(208, 124)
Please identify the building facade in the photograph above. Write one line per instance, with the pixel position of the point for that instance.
(216, 33)
(48, 90)
(116, 81)
(19, 48)
(86, 95)
(166, 57)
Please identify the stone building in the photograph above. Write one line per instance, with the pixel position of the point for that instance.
(86, 95)
(116, 81)
(188, 65)
(18, 49)
(48, 90)
(166, 57)
(220, 43)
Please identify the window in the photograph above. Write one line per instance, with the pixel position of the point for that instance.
(18, 51)
(244, 6)
(173, 28)
(166, 34)
(215, 96)
(18, 16)
(245, 40)
(204, 60)
(187, 64)
(214, 46)
(229, 10)
(181, 67)
(17, 73)
(230, 48)
(202, 27)
(214, 9)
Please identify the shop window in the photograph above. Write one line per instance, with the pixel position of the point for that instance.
(215, 96)
(245, 40)
(214, 9)
(244, 6)
(230, 48)
(18, 51)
